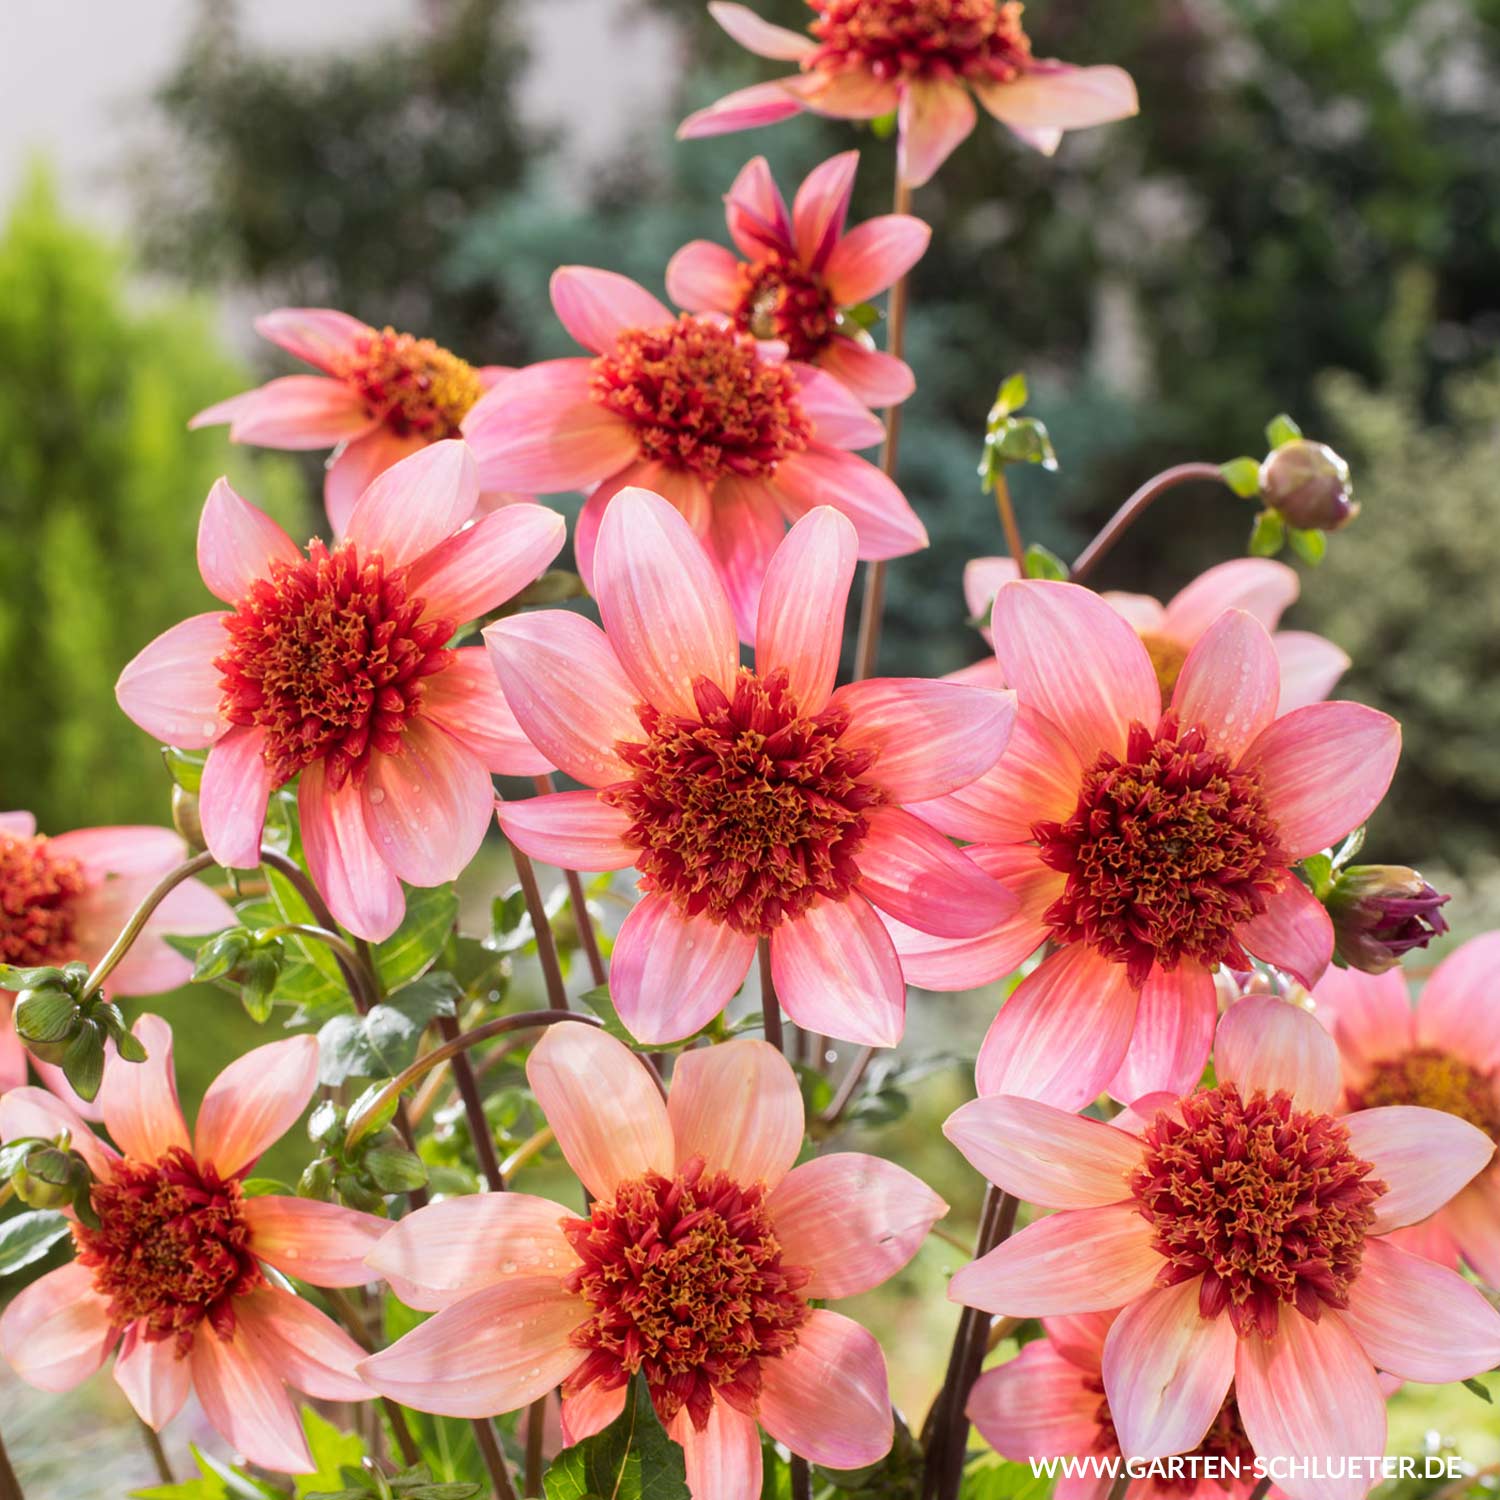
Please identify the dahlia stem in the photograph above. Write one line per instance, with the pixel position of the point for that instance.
(801, 1477)
(494, 1459)
(546, 942)
(873, 604)
(10, 1486)
(158, 1453)
(536, 1431)
(587, 938)
(770, 1006)
(851, 1081)
(1135, 507)
(1121, 1487)
(1264, 1488)
(330, 940)
(525, 1151)
(479, 1125)
(1008, 522)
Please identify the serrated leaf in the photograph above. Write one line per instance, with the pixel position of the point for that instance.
(1281, 430)
(1242, 475)
(632, 1459)
(416, 943)
(1267, 534)
(382, 1043)
(27, 1237)
(1040, 563)
(1311, 546)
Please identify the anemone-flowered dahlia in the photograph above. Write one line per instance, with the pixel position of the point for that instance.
(738, 437)
(65, 898)
(174, 1274)
(332, 666)
(1244, 1231)
(1148, 845)
(921, 60)
(801, 273)
(696, 1266)
(382, 395)
(756, 803)
(1262, 587)
(1443, 1053)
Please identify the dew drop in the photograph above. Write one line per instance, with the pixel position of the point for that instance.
(509, 1267)
(377, 796)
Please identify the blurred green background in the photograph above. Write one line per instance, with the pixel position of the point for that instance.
(1305, 217)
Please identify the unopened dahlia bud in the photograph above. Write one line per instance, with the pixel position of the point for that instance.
(185, 818)
(46, 1019)
(1307, 484)
(1380, 912)
(50, 1177)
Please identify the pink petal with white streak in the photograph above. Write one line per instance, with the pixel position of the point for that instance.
(1266, 1044)
(838, 418)
(322, 336)
(756, 213)
(324, 1243)
(139, 1100)
(479, 568)
(232, 798)
(876, 378)
(155, 1381)
(744, 109)
(1229, 683)
(302, 1345)
(356, 466)
(572, 830)
(416, 504)
(1310, 668)
(360, 888)
(254, 1102)
(242, 1395)
(1370, 1016)
(758, 36)
(739, 1107)
(1036, 1405)
(1260, 586)
(1294, 932)
(1060, 97)
(295, 412)
(822, 206)
(724, 1460)
(1457, 1009)
(56, 1332)
(745, 531)
(836, 972)
(237, 543)
(596, 306)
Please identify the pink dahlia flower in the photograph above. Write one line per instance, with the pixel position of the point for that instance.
(1443, 1053)
(737, 437)
(1244, 1232)
(67, 898)
(333, 667)
(1310, 665)
(923, 62)
(756, 803)
(801, 272)
(529, 1296)
(173, 1276)
(382, 395)
(1149, 845)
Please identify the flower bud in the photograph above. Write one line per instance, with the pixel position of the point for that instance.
(1380, 912)
(46, 1019)
(48, 1178)
(185, 818)
(1307, 484)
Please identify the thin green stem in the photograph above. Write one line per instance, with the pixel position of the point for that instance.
(330, 940)
(1135, 507)
(1008, 522)
(850, 1082)
(136, 925)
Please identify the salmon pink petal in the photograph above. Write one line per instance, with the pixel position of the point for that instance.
(132, 849)
(739, 1107)
(466, 700)
(931, 737)
(1310, 668)
(295, 412)
(1167, 1370)
(361, 889)
(1419, 1321)
(324, 1243)
(1080, 1339)
(237, 543)
(139, 1100)
(839, 419)
(155, 1381)
(417, 503)
(232, 798)
(756, 212)
(1062, 1034)
(1473, 1223)
(1323, 770)
(1457, 1009)
(912, 872)
(355, 467)
(572, 830)
(13, 1056)
(57, 1331)
(683, 490)
(875, 255)
(827, 1398)
(302, 1345)
(242, 1395)
(1309, 1399)
(321, 335)
(935, 117)
(853, 1220)
(172, 689)
(758, 36)
(1074, 660)
(1061, 98)
(836, 973)
(1036, 1405)
(1229, 683)
(254, 1102)
(662, 605)
(1294, 932)
(32, 1111)
(565, 685)
(983, 578)
(724, 1460)
(875, 378)
(704, 277)
(482, 566)
(1044, 1155)
(745, 531)
(887, 525)
(670, 975)
(441, 1253)
(428, 808)
(1143, 612)
(1266, 1044)
(1260, 586)
(596, 307)
(744, 109)
(1370, 1016)
(540, 429)
(1423, 1156)
(1082, 1260)
(594, 1408)
(21, 824)
(801, 624)
(1174, 1029)
(602, 1105)
(849, 94)
(822, 206)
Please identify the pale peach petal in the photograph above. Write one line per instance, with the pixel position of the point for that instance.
(1059, 97)
(13, 1056)
(21, 824)
(592, 1410)
(302, 1345)
(608, 1117)
(596, 307)
(322, 336)
(466, 700)
(756, 212)
(1370, 1016)
(1457, 1010)
(836, 973)
(839, 419)
(1174, 1029)
(935, 117)
(821, 208)
(242, 1395)
(356, 465)
(295, 412)
(704, 277)
(139, 1100)
(1310, 668)
(876, 378)
(360, 888)
(1423, 1156)
(849, 94)
(853, 1220)
(1266, 1044)
(130, 849)
(1079, 1338)
(758, 36)
(875, 255)
(1258, 585)
(56, 1332)
(1036, 1405)
(232, 798)
(237, 543)
(724, 1460)
(32, 1111)
(171, 689)
(739, 1107)
(680, 488)
(1472, 1219)
(155, 1381)
(1141, 610)
(883, 517)
(1229, 683)
(744, 531)
(417, 503)
(441, 1253)
(572, 830)
(479, 568)
(1294, 932)
(744, 109)
(827, 1398)
(1044, 1155)
(254, 1102)
(323, 1243)
(983, 579)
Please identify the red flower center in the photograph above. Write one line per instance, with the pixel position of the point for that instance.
(1166, 854)
(1266, 1202)
(941, 39)
(1225, 1446)
(686, 1282)
(416, 387)
(37, 892)
(751, 811)
(700, 397)
(328, 656)
(779, 300)
(172, 1248)
(1435, 1079)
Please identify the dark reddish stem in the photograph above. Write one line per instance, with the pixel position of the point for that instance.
(10, 1486)
(1135, 507)
(588, 939)
(770, 1006)
(479, 1125)
(546, 940)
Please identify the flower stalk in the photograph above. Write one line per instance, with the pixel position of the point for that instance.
(1135, 507)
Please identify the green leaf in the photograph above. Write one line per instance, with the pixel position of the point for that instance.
(216, 1481)
(1480, 1390)
(83, 1062)
(632, 1459)
(331, 1448)
(1267, 534)
(26, 1238)
(1040, 563)
(290, 907)
(1311, 546)
(419, 939)
(1020, 440)
(185, 767)
(1318, 869)
(598, 1000)
(1010, 397)
(382, 1043)
(1281, 430)
(1004, 1481)
(1242, 475)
